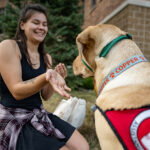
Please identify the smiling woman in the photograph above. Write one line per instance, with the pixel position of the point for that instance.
(35, 28)
(25, 72)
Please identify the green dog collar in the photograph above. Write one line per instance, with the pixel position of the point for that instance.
(108, 47)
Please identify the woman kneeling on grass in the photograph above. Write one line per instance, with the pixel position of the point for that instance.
(24, 73)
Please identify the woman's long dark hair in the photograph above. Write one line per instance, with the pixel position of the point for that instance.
(26, 13)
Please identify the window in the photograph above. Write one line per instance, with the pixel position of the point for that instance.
(93, 3)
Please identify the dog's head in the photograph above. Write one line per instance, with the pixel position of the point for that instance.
(90, 42)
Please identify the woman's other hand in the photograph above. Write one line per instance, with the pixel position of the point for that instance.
(57, 82)
(61, 69)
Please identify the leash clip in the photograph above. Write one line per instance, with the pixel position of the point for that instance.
(93, 108)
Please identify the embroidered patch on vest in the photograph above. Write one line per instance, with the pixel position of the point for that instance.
(146, 141)
(132, 127)
(140, 132)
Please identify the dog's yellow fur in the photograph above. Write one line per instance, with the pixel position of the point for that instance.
(131, 89)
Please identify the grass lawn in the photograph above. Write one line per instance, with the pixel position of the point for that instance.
(88, 128)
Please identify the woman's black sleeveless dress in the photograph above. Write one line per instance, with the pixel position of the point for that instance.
(29, 138)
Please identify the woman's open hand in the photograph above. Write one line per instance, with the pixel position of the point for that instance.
(57, 82)
(61, 69)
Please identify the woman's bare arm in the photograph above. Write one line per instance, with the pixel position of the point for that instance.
(47, 91)
(10, 69)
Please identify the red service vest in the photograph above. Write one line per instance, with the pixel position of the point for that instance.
(132, 127)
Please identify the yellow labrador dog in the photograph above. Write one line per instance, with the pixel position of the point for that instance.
(122, 81)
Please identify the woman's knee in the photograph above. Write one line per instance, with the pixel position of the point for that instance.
(64, 148)
(84, 146)
(77, 142)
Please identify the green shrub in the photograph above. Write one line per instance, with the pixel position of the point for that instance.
(88, 83)
(77, 82)
(74, 82)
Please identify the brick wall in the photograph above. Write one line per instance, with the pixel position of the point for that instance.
(3, 3)
(135, 20)
(93, 15)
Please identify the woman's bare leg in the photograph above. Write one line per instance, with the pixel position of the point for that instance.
(64, 148)
(77, 142)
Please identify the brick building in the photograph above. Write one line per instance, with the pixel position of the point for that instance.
(2, 5)
(132, 16)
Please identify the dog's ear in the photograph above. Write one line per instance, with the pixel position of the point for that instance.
(86, 44)
(86, 53)
(85, 39)
(85, 36)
